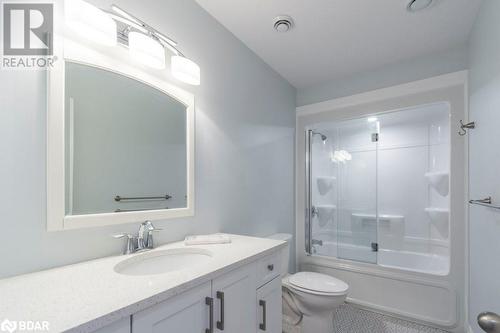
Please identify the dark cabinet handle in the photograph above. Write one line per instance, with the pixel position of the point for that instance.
(264, 315)
(220, 323)
(270, 267)
(210, 302)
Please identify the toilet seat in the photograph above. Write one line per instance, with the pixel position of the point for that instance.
(318, 284)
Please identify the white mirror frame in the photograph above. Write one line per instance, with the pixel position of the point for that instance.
(70, 50)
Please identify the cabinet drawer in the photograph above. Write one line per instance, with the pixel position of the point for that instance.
(268, 268)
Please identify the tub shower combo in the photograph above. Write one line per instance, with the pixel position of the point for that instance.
(379, 203)
(377, 189)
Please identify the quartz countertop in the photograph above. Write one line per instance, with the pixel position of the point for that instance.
(87, 296)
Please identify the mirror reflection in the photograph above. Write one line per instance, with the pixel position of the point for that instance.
(125, 144)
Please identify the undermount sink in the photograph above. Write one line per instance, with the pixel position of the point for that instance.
(164, 261)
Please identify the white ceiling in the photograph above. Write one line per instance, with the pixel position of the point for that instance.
(337, 38)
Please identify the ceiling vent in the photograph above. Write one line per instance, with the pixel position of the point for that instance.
(418, 5)
(283, 23)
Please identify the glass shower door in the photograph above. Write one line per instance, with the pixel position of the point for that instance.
(357, 190)
(341, 202)
(379, 189)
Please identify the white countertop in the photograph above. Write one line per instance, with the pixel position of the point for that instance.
(86, 296)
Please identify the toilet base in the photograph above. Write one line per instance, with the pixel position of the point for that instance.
(317, 323)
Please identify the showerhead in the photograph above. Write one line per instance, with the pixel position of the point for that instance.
(323, 137)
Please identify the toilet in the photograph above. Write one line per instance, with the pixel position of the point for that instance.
(309, 298)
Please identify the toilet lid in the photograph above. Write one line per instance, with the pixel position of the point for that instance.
(318, 282)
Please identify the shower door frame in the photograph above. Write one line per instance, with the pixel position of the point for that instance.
(451, 88)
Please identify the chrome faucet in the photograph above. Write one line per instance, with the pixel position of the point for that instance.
(142, 241)
(145, 238)
(317, 242)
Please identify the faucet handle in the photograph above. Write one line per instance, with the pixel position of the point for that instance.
(129, 236)
(131, 245)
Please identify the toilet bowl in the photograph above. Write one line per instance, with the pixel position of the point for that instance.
(315, 297)
(311, 298)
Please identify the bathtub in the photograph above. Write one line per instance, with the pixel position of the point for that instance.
(413, 261)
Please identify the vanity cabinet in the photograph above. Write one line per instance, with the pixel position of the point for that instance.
(239, 301)
(269, 307)
(120, 326)
(188, 312)
(234, 298)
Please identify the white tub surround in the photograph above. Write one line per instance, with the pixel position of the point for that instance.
(415, 253)
(88, 296)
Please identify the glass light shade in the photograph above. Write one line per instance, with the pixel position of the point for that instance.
(146, 50)
(90, 22)
(185, 70)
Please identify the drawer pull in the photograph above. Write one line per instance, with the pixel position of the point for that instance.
(264, 315)
(210, 302)
(220, 323)
(270, 267)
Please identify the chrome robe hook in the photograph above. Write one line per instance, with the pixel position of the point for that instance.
(465, 127)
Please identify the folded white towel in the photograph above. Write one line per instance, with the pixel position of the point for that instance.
(207, 239)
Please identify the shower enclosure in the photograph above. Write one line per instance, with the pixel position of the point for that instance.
(377, 189)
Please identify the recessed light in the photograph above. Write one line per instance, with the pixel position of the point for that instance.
(417, 5)
(283, 23)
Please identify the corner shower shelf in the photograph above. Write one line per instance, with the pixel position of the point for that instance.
(440, 181)
(325, 184)
(438, 215)
(325, 213)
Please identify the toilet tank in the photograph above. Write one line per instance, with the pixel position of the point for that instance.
(285, 251)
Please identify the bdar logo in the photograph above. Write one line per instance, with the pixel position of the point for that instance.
(8, 326)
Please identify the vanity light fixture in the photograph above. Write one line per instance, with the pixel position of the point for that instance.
(185, 70)
(148, 47)
(90, 22)
(146, 50)
(145, 44)
(124, 14)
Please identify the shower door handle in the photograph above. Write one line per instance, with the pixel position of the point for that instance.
(489, 322)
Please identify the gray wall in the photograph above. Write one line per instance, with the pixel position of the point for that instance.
(244, 148)
(420, 68)
(484, 157)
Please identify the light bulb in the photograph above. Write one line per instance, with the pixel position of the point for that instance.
(146, 50)
(90, 22)
(185, 70)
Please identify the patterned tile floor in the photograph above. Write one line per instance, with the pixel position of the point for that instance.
(350, 319)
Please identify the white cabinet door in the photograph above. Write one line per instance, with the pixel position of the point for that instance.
(120, 326)
(185, 313)
(269, 314)
(234, 301)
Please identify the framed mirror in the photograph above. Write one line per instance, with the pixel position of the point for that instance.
(120, 143)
